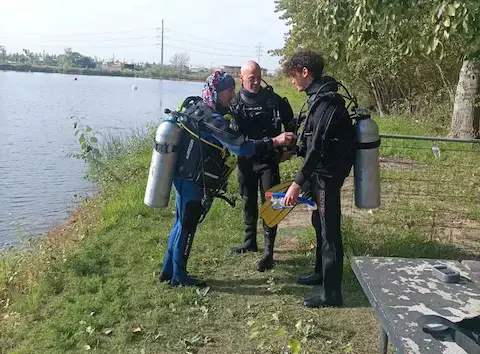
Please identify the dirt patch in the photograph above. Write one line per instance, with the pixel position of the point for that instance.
(298, 217)
(75, 227)
(398, 163)
(288, 240)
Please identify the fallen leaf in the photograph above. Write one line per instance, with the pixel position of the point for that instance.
(254, 334)
(280, 332)
(311, 246)
(107, 331)
(208, 340)
(197, 337)
(136, 329)
(294, 346)
(203, 292)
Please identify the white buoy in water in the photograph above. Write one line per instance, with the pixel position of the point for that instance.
(134, 87)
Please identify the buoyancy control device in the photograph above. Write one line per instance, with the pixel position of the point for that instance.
(179, 150)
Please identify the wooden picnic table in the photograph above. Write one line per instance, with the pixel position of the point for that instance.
(401, 290)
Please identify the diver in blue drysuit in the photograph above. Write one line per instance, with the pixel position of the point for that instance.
(191, 182)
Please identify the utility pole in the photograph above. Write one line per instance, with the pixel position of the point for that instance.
(259, 52)
(161, 61)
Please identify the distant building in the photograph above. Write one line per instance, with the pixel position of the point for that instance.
(235, 70)
(232, 70)
(198, 69)
(113, 65)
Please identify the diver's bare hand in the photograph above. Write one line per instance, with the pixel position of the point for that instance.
(287, 155)
(291, 197)
(284, 139)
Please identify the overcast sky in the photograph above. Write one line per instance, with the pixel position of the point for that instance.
(213, 32)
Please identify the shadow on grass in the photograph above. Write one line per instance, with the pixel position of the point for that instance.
(357, 242)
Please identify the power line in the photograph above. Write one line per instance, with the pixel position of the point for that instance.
(99, 46)
(36, 34)
(163, 42)
(202, 52)
(111, 39)
(259, 52)
(192, 40)
(170, 39)
(152, 37)
(209, 40)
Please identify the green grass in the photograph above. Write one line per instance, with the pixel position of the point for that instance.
(90, 293)
(109, 281)
(154, 73)
(284, 89)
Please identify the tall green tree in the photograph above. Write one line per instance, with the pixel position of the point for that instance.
(394, 81)
(3, 54)
(411, 28)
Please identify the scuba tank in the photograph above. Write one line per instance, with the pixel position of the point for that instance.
(163, 164)
(366, 168)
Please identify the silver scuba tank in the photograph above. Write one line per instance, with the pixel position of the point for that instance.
(163, 164)
(366, 168)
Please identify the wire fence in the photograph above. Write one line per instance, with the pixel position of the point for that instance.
(428, 185)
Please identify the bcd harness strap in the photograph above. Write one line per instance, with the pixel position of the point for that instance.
(165, 148)
(198, 119)
(367, 146)
(221, 148)
(241, 104)
(328, 114)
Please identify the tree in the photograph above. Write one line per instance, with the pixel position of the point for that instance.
(180, 61)
(65, 60)
(29, 55)
(413, 26)
(3, 53)
(81, 61)
(378, 70)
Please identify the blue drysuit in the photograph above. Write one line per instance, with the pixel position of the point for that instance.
(188, 203)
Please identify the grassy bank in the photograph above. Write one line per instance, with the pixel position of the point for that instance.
(91, 285)
(157, 73)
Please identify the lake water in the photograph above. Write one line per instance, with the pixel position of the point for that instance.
(38, 181)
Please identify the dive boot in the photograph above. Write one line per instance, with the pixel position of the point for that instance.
(250, 244)
(332, 299)
(267, 262)
(189, 281)
(164, 277)
(312, 279)
(244, 248)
